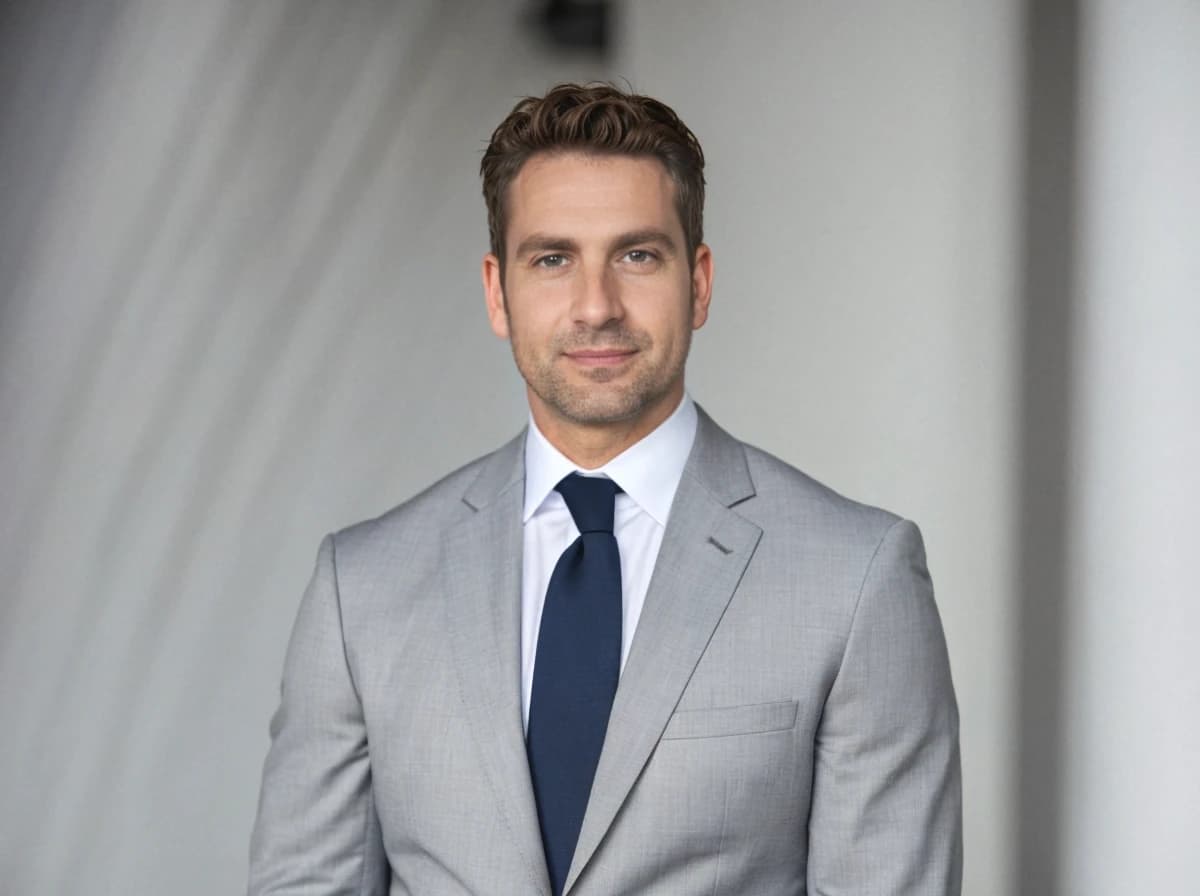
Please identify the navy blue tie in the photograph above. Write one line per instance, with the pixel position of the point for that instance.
(576, 670)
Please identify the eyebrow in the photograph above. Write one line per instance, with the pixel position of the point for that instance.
(542, 242)
(636, 237)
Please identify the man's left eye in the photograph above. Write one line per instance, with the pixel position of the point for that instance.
(640, 256)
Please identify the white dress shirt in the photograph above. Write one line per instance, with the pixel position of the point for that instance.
(648, 474)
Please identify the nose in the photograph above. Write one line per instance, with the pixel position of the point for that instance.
(597, 299)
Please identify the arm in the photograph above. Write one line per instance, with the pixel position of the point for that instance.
(886, 813)
(317, 831)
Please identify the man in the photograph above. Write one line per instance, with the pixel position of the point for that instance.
(625, 653)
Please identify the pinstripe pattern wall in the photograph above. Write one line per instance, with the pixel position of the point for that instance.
(240, 250)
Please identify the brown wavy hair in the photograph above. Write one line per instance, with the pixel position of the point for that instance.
(594, 118)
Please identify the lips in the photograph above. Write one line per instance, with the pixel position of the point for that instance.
(601, 357)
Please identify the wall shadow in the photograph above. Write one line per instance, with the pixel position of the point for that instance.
(1049, 223)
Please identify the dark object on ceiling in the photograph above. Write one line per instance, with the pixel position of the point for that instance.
(576, 24)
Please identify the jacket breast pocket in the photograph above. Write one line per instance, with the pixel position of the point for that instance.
(727, 721)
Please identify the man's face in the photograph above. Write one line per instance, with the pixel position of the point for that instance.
(597, 296)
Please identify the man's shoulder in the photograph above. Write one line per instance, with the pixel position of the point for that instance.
(787, 497)
(426, 514)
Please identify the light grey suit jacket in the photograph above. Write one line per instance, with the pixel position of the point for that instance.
(785, 722)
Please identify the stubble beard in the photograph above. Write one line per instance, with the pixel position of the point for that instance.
(606, 395)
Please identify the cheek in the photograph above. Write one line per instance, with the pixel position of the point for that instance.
(531, 323)
(536, 300)
(674, 320)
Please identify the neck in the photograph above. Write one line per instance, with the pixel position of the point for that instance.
(592, 445)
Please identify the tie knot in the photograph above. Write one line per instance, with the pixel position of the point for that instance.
(590, 500)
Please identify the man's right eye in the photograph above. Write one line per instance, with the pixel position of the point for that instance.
(551, 261)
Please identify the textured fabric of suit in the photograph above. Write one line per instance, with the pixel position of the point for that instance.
(785, 722)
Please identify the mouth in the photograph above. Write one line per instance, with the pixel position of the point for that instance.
(601, 357)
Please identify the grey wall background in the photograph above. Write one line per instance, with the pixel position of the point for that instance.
(239, 307)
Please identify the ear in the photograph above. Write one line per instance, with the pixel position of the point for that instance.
(702, 278)
(493, 294)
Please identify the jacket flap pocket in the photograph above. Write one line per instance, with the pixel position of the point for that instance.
(724, 721)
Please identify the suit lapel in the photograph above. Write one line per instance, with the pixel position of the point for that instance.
(704, 553)
(482, 569)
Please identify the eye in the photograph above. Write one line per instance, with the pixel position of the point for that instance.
(640, 256)
(550, 261)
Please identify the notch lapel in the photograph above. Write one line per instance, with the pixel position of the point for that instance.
(481, 565)
(704, 553)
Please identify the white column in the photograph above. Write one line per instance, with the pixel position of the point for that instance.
(1132, 704)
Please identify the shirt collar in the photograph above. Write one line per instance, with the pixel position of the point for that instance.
(648, 471)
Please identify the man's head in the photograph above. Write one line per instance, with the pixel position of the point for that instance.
(597, 274)
(597, 119)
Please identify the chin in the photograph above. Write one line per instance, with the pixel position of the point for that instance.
(600, 406)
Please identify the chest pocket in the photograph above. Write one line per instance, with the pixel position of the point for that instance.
(727, 721)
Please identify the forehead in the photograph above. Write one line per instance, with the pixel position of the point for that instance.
(580, 194)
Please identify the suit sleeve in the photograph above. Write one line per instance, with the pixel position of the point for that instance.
(886, 814)
(317, 831)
